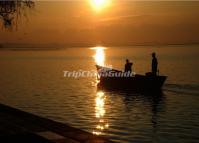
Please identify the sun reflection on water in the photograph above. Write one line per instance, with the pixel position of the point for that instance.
(99, 113)
(99, 56)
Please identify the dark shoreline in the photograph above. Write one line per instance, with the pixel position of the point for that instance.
(20, 126)
(40, 47)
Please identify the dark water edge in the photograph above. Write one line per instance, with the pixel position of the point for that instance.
(20, 126)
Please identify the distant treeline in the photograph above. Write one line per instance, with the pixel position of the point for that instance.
(54, 46)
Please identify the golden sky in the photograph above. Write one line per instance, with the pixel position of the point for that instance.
(120, 22)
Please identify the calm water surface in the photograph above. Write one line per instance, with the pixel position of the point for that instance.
(33, 81)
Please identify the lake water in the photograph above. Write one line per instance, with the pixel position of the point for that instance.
(33, 80)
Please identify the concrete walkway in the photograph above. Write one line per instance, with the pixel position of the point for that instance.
(19, 126)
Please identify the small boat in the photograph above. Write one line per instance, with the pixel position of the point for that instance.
(109, 79)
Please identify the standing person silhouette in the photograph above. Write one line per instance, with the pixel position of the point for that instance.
(128, 66)
(154, 64)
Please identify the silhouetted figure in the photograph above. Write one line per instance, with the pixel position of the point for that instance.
(154, 64)
(128, 66)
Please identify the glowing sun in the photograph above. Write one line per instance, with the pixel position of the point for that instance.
(98, 5)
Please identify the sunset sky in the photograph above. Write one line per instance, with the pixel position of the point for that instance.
(119, 22)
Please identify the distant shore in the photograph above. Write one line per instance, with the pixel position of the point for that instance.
(14, 47)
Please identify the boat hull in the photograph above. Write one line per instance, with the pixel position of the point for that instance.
(138, 83)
